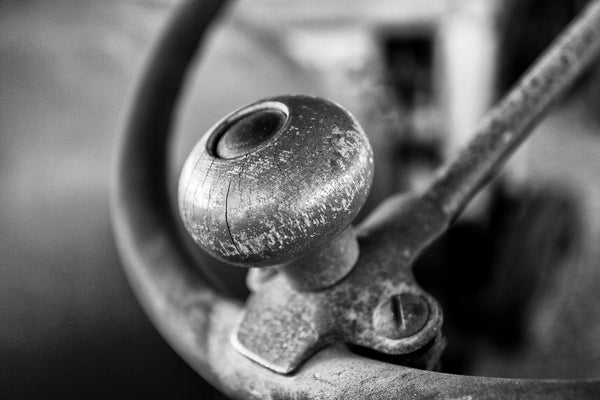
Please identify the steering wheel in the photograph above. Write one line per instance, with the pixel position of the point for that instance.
(200, 323)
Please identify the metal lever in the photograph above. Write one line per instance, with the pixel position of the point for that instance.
(277, 183)
(506, 125)
(196, 320)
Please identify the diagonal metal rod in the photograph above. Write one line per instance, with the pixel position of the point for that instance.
(512, 120)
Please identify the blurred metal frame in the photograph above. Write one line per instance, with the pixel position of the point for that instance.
(195, 319)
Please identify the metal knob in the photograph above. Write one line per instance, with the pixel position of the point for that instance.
(278, 182)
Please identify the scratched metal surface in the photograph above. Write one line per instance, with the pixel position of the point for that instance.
(142, 218)
(288, 197)
(66, 121)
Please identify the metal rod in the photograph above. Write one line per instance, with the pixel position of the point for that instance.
(512, 120)
(197, 321)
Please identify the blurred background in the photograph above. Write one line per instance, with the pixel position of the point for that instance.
(518, 277)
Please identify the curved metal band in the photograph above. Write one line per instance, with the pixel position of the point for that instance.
(196, 320)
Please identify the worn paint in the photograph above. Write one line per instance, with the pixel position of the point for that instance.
(198, 322)
(284, 199)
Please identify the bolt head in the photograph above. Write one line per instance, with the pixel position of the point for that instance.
(401, 315)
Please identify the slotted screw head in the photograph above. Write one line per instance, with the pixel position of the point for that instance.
(401, 315)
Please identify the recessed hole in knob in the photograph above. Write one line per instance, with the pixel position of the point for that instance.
(249, 133)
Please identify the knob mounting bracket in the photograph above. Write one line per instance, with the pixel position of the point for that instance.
(283, 326)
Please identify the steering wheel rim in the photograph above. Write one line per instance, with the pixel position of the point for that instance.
(195, 319)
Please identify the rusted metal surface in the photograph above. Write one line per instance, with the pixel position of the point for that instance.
(282, 326)
(198, 322)
(510, 122)
(401, 315)
(298, 178)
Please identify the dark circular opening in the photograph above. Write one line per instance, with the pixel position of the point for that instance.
(249, 133)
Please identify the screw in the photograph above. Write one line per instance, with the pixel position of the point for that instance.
(401, 315)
